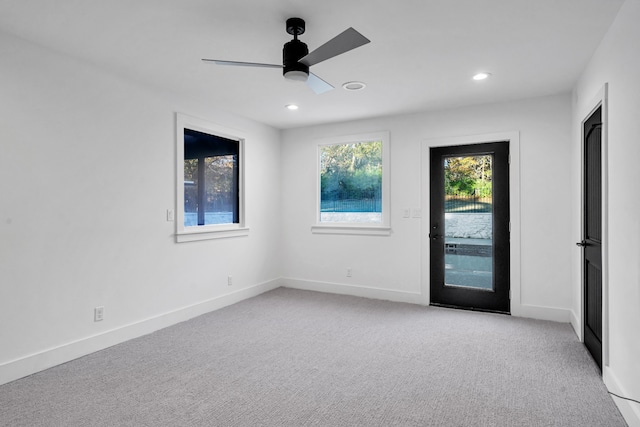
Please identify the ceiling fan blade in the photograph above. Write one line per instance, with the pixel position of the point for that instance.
(347, 40)
(242, 64)
(317, 84)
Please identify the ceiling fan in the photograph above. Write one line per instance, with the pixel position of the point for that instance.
(296, 58)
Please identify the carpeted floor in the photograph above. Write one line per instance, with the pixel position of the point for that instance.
(298, 358)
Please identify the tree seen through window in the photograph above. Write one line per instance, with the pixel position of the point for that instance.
(351, 182)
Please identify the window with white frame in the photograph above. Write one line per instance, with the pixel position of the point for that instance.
(210, 181)
(353, 183)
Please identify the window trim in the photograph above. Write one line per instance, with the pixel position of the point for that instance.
(213, 231)
(356, 228)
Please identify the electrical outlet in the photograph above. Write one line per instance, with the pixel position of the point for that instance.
(349, 272)
(406, 213)
(98, 314)
(229, 281)
(417, 212)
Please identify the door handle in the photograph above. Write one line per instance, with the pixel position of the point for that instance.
(582, 243)
(434, 235)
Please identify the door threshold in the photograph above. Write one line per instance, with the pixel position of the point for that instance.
(458, 307)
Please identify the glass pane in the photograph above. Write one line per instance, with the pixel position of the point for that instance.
(468, 222)
(211, 179)
(221, 190)
(191, 192)
(351, 182)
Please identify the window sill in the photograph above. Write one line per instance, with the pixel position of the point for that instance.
(358, 230)
(210, 233)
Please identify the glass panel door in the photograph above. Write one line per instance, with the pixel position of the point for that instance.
(469, 226)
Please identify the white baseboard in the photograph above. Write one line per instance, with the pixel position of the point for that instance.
(629, 410)
(577, 324)
(353, 290)
(27, 365)
(554, 314)
(24, 366)
(521, 310)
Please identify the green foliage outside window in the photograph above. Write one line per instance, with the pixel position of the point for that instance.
(468, 176)
(351, 172)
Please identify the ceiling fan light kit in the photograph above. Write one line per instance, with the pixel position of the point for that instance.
(297, 75)
(296, 59)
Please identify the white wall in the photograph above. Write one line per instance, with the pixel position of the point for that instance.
(617, 62)
(391, 267)
(87, 172)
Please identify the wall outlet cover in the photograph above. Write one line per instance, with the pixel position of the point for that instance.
(98, 314)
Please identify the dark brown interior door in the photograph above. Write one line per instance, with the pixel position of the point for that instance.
(592, 235)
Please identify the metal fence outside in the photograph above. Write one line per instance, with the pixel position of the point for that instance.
(467, 204)
(361, 201)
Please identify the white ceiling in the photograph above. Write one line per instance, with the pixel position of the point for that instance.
(421, 56)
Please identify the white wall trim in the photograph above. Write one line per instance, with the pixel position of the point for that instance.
(219, 231)
(553, 314)
(629, 410)
(576, 324)
(384, 228)
(353, 290)
(353, 230)
(514, 206)
(33, 363)
(530, 311)
(24, 366)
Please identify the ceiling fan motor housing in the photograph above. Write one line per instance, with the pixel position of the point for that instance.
(294, 51)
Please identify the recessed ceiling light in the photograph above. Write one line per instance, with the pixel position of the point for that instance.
(292, 106)
(481, 76)
(354, 86)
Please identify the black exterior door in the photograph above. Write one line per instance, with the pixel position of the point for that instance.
(469, 226)
(592, 235)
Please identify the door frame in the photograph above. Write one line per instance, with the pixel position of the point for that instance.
(600, 100)
(514, 209)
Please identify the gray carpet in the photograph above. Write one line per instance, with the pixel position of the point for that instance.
(298, 358)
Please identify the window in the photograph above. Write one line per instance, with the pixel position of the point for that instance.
(210, 178)
(353, 185)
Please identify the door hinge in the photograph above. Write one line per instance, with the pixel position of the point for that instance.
(509, 226)
(509, 293)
